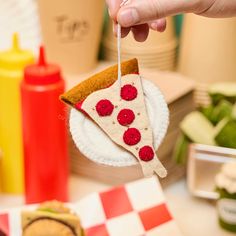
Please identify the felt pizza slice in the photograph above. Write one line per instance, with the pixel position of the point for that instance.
(120, 111)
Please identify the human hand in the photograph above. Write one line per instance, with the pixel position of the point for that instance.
(140, 15)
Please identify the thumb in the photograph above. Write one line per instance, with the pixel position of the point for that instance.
(142, 11)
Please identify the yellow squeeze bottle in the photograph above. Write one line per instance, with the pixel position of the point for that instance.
(0, 170)
(12, 63)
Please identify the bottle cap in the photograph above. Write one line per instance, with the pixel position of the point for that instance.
(15, 58)
(42, 73)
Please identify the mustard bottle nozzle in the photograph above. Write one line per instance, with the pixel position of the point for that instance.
(15, 58)
(15, 42)
(42, 60)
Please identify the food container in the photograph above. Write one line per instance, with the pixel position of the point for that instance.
(71, 32)
(226, 204)
(204, 163)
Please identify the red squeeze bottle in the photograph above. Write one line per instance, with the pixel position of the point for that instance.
(44, 133)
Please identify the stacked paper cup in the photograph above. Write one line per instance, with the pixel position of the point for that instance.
(208, 52)
(158, 51)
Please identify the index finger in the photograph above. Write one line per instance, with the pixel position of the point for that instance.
(113, 8)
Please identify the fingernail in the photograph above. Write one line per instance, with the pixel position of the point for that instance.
(124, 2)
(161, 26)
(154, 25)
(128, 17)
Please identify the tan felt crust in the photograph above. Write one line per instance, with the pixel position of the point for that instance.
(98, 81)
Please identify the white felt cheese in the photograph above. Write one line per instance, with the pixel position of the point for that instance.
(110, 125)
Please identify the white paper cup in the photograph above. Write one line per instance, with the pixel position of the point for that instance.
(71, 32)
(208, 49)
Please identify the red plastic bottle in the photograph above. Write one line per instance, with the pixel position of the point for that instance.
(44, 133)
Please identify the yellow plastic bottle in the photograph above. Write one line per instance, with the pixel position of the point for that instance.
(12, 63)
(0, 170)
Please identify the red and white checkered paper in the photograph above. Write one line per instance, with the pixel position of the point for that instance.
(135, 209)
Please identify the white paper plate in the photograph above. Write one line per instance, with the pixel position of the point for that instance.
(98, 147)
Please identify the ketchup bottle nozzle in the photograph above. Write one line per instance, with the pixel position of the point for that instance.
(42, 60)
(43, 72)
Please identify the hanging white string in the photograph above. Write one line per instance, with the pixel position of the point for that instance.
(119, 53)
(124, 2)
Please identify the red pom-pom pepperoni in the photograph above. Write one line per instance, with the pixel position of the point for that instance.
(128, 92)
(146, 153)
(126, 117)
(131, 136)
(104, 107)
